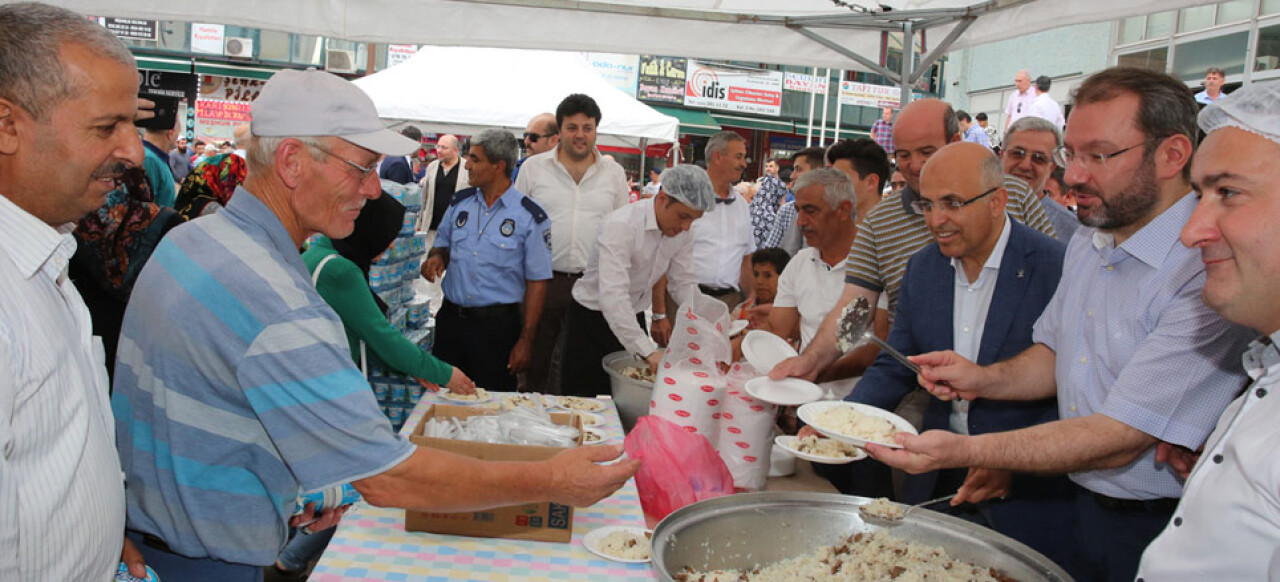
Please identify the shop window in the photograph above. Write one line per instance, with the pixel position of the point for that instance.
(1132, 28)
(1196, 18)
(1268, 57)
(1226, 52)
(274, 46)
(1270, 7)
(308, 50)
(1235, 11)
(1152, 60)
(1159, 25)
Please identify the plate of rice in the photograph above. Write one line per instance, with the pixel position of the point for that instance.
(594, 436)
(819, 450)
(619, 543)
(580, 403)
(480, 395)
(853, 423)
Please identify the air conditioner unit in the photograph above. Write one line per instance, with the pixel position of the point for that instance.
(237, 47)
(340, 61)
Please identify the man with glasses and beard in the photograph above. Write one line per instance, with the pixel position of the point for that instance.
(1132, 354)
(1028, 154)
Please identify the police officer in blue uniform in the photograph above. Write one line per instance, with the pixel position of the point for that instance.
(496, 246)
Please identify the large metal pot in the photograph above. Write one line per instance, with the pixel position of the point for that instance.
(749, 529)
(631, 396)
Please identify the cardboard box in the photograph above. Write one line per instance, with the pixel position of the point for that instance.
(545, 521)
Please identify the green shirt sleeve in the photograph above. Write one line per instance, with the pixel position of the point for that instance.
(343, 287)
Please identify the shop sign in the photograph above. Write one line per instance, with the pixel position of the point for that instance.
(399, 53)
(207, 38)
(661, 79)
(743, 91)
(132, 28)
(619, 70)
(804, 83)
(870, 95)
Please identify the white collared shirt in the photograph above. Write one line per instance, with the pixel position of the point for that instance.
(629, 258)
(61, 494)
(1227, 525)
(1019, 104)
(969, 315)
(576, 208)
(721, 238)
(1046, 107)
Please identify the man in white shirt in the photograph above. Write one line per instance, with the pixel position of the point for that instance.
(1020, 101)
(723, 241)
(578, 187)
(68, 97)
(1045, 106)
(639, 244)
(1227, 524)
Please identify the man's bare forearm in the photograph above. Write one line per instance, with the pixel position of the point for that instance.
(1026, 376)
(535, 296)
(434, 480)
(1089, 443)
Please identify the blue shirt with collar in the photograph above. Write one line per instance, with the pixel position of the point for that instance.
(156, 164)
(493, 250)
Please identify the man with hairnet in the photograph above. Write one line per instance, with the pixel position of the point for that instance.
(637, 245)
(1228, 521)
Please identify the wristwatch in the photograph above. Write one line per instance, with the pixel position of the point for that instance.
(659, 316)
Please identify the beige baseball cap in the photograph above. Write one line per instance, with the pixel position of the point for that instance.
(314, 103)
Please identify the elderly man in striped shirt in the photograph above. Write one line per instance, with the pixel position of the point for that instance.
(235, 389)
(68, 96)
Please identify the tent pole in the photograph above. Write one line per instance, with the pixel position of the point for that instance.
(822, 139)
(644, 145)
(813, 97)
(908, 61)
(839, 107)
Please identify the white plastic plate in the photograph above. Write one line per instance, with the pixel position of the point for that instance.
(594, 538)
(737, 326)
(451, 397)
(784, 392)
(764, 350)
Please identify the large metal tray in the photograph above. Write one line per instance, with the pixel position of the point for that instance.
(745, 530)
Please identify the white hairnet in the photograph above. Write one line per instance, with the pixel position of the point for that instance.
(690, 185)
(1254, 108)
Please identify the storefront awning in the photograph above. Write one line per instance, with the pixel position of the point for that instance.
(242, 72)
(691, 122)
(802, 128)
(755, 123)
(148, 63)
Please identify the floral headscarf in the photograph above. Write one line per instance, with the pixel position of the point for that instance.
(214, 180)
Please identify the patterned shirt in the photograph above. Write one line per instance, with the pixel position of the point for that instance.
(61, 498)
(235, 390)
(1133, 341)
(892, 232)
(764, 207)
(882, 133)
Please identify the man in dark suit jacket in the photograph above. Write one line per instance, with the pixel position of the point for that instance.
(399, 169)
(988, 278)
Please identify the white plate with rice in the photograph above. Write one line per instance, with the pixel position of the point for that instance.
(853, 423)
(594, 436)
(579, 403)
(823, 451)
(480, 395)
(619, 543)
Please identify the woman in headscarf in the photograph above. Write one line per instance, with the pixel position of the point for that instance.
(210, 185)
(343, 282)
(112, 245)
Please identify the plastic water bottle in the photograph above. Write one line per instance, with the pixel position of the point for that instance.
(328, 498)
(123, 575)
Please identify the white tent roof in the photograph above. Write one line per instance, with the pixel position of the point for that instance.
(464, 89)
(803, 32)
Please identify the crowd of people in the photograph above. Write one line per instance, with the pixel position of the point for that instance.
(1078, 304)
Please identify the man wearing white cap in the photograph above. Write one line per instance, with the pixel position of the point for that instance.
(1228, 521)
(638, 244)
(235, 390)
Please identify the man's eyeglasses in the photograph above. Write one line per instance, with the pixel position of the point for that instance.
(534, 137)
(1065, 157)
(365, 171)
(923, 206)
(1038, 158)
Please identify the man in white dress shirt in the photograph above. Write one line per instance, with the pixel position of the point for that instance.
(578, 187)
(723, 241)
(1227, 524)
(639, 244)
(1020, 100)
(68, 96)
(1045, 106)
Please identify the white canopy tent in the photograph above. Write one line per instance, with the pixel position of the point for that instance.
(465, 89)
(841, 34)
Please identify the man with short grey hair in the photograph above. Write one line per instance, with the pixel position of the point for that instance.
(1045, 106)
(68, 97)
(1028, 154)
(1019, 104)
(235, 389)
(638, 244)
(496, 244)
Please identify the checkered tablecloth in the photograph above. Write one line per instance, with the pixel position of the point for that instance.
(371, 543)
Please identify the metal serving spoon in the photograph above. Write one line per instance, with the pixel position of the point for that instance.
(855, 329)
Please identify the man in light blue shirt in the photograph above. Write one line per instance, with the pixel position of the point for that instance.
(972, 132)
(1132, 353)
(496, 244)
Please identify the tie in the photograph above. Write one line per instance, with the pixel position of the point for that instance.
(725, 200)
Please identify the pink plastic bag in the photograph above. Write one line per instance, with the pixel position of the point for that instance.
(677, 467)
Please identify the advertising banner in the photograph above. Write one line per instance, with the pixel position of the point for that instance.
(207, 38)
(661, 79)
(218, 119)
(399, 53)
(131, 28)
(621, 71)
(869, 95)
(804, 83)
(743, 91)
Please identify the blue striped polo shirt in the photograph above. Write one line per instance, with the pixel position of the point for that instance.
(235, 390)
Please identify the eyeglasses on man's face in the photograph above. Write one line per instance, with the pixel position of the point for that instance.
(923, 206)
(534, 137)
(1064, 156)
(1038, 158)
(365, 171)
